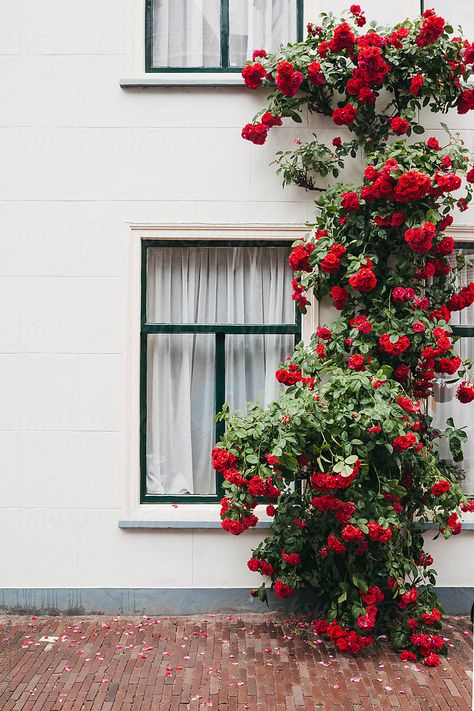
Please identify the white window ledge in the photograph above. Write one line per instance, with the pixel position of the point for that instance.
(182, 79)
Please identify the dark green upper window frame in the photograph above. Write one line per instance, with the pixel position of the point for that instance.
(466, 331)
(220, 331)
(224, 65)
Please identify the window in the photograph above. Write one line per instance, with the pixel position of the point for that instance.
(217, 319)
(216, 35)
(446, 404)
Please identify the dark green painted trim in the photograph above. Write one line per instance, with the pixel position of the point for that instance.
(224, 68)
(463, 331)
(258, 328)
(463, 245)
(225, 34)
(220, 331)
(299, 20)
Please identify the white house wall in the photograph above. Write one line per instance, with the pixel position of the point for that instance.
(81, 159)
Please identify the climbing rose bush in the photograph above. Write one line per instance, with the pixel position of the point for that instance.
(346, 461)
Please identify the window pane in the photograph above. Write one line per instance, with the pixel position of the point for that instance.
(465, 276)
(186, 33)
(259, 24)
(251, 362)
(180, 409)
(219, 285)
(447, 405)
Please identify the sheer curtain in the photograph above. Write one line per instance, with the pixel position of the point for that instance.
(446, 404)
(208, 285)
(186, 33)
(259, 24)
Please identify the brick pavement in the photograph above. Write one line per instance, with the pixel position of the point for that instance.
(254, 662)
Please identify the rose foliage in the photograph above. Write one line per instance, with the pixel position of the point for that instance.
(347, 460)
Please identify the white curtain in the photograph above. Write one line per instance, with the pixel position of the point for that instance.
(186, 33)
(235, 285)
(446, 404)
(259, 24)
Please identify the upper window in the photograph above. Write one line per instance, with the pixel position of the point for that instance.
(217, 320)
(216, 35)
(446, 404)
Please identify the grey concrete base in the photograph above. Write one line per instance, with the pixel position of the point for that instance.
(141, 601)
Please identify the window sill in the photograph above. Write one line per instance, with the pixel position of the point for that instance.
(186, 516)
(197, 79)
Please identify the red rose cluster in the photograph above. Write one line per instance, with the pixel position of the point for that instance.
(287, 80)
(345, 640)
(299, 257)
(293, 375)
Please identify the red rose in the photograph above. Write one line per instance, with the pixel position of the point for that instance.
(466, 101)
(407, 656)
(291, 558)
(374, 430)
(470, 175)
(356, 362)
(339, 296)
(400, 444)
(337, 141)
(350, 202)
(420, 239)
(371, 66)
(343, 38)
(315, 75)
(253, 75)
(258, 53)
(270, 510)
(222, 459)
(299, 257)
(287, 80)
(410, 597)
(282, 590)
(364, 280)
(465, 392)
(431, 29)
(399, 126)
(441, 487)
(432, 660)
(256, 133)
(330, 263)
(253, 564)
(412, 185)
(416, 84)
(268, 119)
(323, 333)
(234, 527)
(433, 143)
(345, 115)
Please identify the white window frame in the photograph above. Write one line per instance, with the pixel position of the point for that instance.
(183, 515)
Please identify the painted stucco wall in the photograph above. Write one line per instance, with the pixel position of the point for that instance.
(81, 159)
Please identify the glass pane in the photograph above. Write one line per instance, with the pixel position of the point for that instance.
(186, 33)
(447, 405)
(251, 362)
(259, 24)
(465, 276)
(180, 409)
(219, 285)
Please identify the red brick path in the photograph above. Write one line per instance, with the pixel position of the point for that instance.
(231, 663)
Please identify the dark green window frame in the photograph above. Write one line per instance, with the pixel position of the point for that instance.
(463, 331)
(224, 65)
(220, 331)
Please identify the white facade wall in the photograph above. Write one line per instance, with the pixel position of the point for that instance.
(81, 161)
